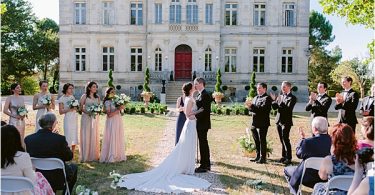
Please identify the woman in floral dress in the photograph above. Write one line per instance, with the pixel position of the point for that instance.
(113, 145)
(89, 137)
(70, 115)
(40, 104)
(12, 104)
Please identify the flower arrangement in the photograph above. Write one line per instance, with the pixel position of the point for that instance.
(147, 93)
(248, 145)
(46, 100)
(116, 178)
(22, 111)
(96, 109)
(217, 94)
(83, 190)
(121, 100)
(73, 103)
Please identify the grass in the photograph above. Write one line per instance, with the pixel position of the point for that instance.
(143, 133)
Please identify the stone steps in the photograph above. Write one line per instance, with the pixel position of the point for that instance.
(173, 91)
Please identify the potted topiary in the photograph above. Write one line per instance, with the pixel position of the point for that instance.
(217, 95)
(253, 90)
(146, 94)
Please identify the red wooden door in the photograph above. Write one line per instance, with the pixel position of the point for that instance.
(183, 63)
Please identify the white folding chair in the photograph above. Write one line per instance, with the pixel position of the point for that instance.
(51, 164)
(312, 163)
(11, 184)
(341, 182)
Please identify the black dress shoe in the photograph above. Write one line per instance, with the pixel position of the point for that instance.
(255, 159)
(200, 170)
(287, 162)
(261, 161)
(282, 160)
(209, 168)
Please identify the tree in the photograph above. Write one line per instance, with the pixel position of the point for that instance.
(17, 28)
(110, 80)
(46, 42)
(320, 30)
(253, 89)
(358, 70)
(147, 81)
(218, 81)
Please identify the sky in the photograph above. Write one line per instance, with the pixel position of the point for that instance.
(351, 39)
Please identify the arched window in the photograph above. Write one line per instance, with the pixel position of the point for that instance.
(158, 59)
(208, 60)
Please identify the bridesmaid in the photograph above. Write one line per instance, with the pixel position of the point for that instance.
(38, 105)
(70, 116)
(12, 103)
(113, 145)
(181, 116)
(89, 137)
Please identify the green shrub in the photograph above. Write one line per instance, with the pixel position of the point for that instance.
(152, 110)
(29, 85)
(132, 110)
(143, 110)
(237, 111)
(245, 111)
(331, 93)
(294, 88)
(219, 111)
(227, 111)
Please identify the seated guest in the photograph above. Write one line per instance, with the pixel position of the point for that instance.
(16, 162)
(361, 186)
(47, 144)
(317, 146)
(367, 129)
(341, 160)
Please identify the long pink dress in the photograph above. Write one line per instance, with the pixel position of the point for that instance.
(89, 136)
(113, 145)
(15, 103)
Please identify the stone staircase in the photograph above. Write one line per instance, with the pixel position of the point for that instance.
(173, 91)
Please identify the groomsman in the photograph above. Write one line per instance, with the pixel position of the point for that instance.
(347, 103)
(260, 107)
(284, 105)
(367, 105)
(319, 103)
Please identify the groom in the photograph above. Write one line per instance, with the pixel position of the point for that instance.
(203, 124)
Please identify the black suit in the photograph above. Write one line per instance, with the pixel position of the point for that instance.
(347, 109)
(320, 106)
(367, 105)
(46, 144)
(284, 122)
(261, 107)
(317, 146)
(203, 124)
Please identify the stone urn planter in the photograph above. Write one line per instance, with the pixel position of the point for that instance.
(218, 96)
(146, 95)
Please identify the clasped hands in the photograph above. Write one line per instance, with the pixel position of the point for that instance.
(339, 98)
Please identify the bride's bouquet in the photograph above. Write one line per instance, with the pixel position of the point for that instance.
(46, 100)
(22, 111)
(96, 109)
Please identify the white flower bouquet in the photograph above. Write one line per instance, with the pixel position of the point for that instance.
(96, 109)
(22, 111)
(46, 100)
(82, 190)
(121, 100)
(217, 94)
(116, 178)
(73, 103)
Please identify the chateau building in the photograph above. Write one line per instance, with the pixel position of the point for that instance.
(181, 39)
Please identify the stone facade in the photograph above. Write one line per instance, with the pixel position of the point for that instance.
(129, 36)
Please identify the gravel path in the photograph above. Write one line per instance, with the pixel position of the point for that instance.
(166, 146)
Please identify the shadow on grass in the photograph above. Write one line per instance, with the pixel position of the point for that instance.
(95, 175)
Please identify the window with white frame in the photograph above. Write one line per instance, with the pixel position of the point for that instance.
(135, 59)
(108, 58)
(230, 14)
(258, 60)
(192, 12)
(287, 61)
(209, 13)
(289, 14)
(136, 13)
(80, 58)
(79, 13)
(108, 13)
(259, 14)
(158, 13)
(175, 12)
(158, 59)
(230, 59)
(208, 60)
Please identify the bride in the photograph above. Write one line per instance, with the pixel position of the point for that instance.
(175, 173)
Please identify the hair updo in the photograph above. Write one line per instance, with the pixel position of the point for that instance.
(186, 88)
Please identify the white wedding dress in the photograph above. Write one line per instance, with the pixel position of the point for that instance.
(175, 173)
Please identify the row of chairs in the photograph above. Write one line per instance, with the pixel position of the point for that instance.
(341, 182)
(18, 184)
